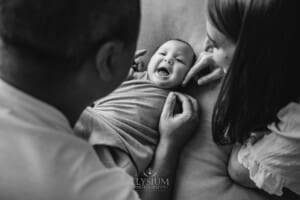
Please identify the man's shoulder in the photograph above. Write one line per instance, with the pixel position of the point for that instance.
(45, 162)
(59, 169)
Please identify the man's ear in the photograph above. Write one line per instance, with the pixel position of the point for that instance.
(105, 59)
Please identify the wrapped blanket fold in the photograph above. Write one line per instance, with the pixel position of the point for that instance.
(126, 120)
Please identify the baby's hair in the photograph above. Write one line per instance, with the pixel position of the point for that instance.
(183, 41)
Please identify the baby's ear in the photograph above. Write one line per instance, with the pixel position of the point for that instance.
(104, 59)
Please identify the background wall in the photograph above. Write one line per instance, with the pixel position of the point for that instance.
(165, 19)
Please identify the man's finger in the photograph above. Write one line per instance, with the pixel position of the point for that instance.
(141, 66)
(215, 75)
(169, 106)
(140, 52)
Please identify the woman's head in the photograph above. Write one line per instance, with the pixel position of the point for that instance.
(262, 76)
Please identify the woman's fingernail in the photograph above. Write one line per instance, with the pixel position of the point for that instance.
(172, 94)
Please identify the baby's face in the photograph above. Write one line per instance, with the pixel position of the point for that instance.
(170, 63)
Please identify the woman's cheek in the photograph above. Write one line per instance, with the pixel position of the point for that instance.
(217, 57)
(222, 59)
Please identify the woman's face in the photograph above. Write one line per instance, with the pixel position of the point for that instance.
(221, 47)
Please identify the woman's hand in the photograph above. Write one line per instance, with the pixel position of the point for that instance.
(255, 136)
(177, 128)
(205, 60)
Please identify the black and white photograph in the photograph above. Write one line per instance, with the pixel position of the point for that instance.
(149, 100)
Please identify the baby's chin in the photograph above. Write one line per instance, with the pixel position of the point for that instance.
(166, 84)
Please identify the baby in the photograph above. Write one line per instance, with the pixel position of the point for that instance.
(123, 127)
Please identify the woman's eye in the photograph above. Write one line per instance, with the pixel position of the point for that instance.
(162, 53)
(210, 46)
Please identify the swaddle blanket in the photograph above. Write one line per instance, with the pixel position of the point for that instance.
(127, 119)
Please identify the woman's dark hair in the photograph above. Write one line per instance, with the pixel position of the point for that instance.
(264, 75)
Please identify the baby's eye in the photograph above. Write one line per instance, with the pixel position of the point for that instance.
(180, 60)
(162, 53)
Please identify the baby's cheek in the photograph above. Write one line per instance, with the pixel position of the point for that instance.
(182, 73)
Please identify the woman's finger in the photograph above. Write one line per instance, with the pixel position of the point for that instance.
(255, 136)
(187, 108)
(193, 71)
(168, 109)
(214, 75)
(251, 140)
(195, 104)
(203, 62)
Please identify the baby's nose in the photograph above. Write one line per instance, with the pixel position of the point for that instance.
(170, 61)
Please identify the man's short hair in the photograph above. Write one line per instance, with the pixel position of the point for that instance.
(66, 30)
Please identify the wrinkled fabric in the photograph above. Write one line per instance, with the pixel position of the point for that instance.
(42, 159)
(274, 161)
(126, 121)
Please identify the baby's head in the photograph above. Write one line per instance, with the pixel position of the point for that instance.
(170, 63)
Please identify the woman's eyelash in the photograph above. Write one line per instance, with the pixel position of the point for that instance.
(210, 45)
(213, 43)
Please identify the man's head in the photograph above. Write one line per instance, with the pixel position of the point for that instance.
(74, 48)
(65, 31)
(170, 63)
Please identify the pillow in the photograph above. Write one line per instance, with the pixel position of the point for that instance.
(167, 19)
(202, 171)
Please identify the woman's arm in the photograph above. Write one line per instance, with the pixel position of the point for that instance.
(237, 171)
(175, 130)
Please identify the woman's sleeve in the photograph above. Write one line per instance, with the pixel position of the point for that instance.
(274, 161)
(261, 173)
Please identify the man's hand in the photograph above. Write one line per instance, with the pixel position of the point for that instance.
(138, 64)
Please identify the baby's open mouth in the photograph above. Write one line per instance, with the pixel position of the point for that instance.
(162, 71)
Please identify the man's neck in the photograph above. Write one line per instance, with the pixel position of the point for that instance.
(61, 95)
